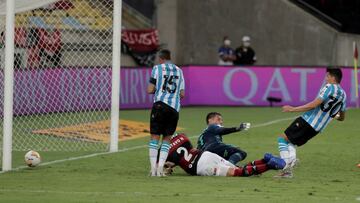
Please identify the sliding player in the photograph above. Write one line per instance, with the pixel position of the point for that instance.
(329, 104)
(196, 162)
(211, 139)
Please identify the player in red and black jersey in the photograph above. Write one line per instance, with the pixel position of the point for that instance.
(196, 162)
(183, 154)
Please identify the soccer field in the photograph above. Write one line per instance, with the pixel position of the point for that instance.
(327, 170)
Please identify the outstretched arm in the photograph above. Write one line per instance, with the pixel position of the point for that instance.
(311, 105)
(225, 131)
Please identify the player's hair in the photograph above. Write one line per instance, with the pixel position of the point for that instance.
(211, 115)
(335, 72)
(165, 54)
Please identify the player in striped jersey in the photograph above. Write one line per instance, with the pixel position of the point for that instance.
(329, 104)
(168, 85)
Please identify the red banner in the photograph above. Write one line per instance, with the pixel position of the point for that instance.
(50, 41)
(141, 40)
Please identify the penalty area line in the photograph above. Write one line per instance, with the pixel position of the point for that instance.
(130, 148)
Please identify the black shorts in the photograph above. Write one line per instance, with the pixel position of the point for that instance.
(299, 132)
(224, 150)
(163, 119)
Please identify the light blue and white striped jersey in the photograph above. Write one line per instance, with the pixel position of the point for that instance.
(169, 81)
(334, 100)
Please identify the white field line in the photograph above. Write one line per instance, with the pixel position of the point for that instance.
(132, 148)
(273, 122)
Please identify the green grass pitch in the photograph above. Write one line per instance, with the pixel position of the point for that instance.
(327, 170)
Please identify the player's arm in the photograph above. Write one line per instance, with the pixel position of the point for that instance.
(311, 105)
(151, 89)
(182, 94)
(322, 96)
(182, 85)
(225, 131)
(340, 116)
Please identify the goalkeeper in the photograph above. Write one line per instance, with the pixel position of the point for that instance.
(211, 139)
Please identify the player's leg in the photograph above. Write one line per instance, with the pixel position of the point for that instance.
(264, 160)
(293, 135)
(211, 164)
(170, 123)
(248, 170)
(228, 152)
(283, 145)
(258, 167)
(292, 155)
(153, 153)
(164, 151)
(288, 153)
(297, 134)
(235, 155)
(155, 131)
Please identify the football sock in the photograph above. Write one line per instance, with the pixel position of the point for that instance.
(153, 153)
(256, 162)
(164, 150)
(235, 158)
(292, 152)
(261, 168)
(250, 170)
(284, 149)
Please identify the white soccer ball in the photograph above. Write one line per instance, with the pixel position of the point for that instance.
(32, 158)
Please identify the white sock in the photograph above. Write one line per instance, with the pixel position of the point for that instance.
(292, 152)
(153, 153)
(286, 156)
(284, 149)
(164, 151)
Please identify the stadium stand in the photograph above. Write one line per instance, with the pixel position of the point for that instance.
(342, 15)
(73, 18)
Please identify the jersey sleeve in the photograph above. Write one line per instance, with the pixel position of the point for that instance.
(218, 130)
(325, 92)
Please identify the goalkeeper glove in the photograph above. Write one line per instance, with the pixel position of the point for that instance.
(243, 126)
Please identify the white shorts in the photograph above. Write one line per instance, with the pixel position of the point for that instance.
(211, 164)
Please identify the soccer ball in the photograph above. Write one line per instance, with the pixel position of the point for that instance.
(32, 158)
